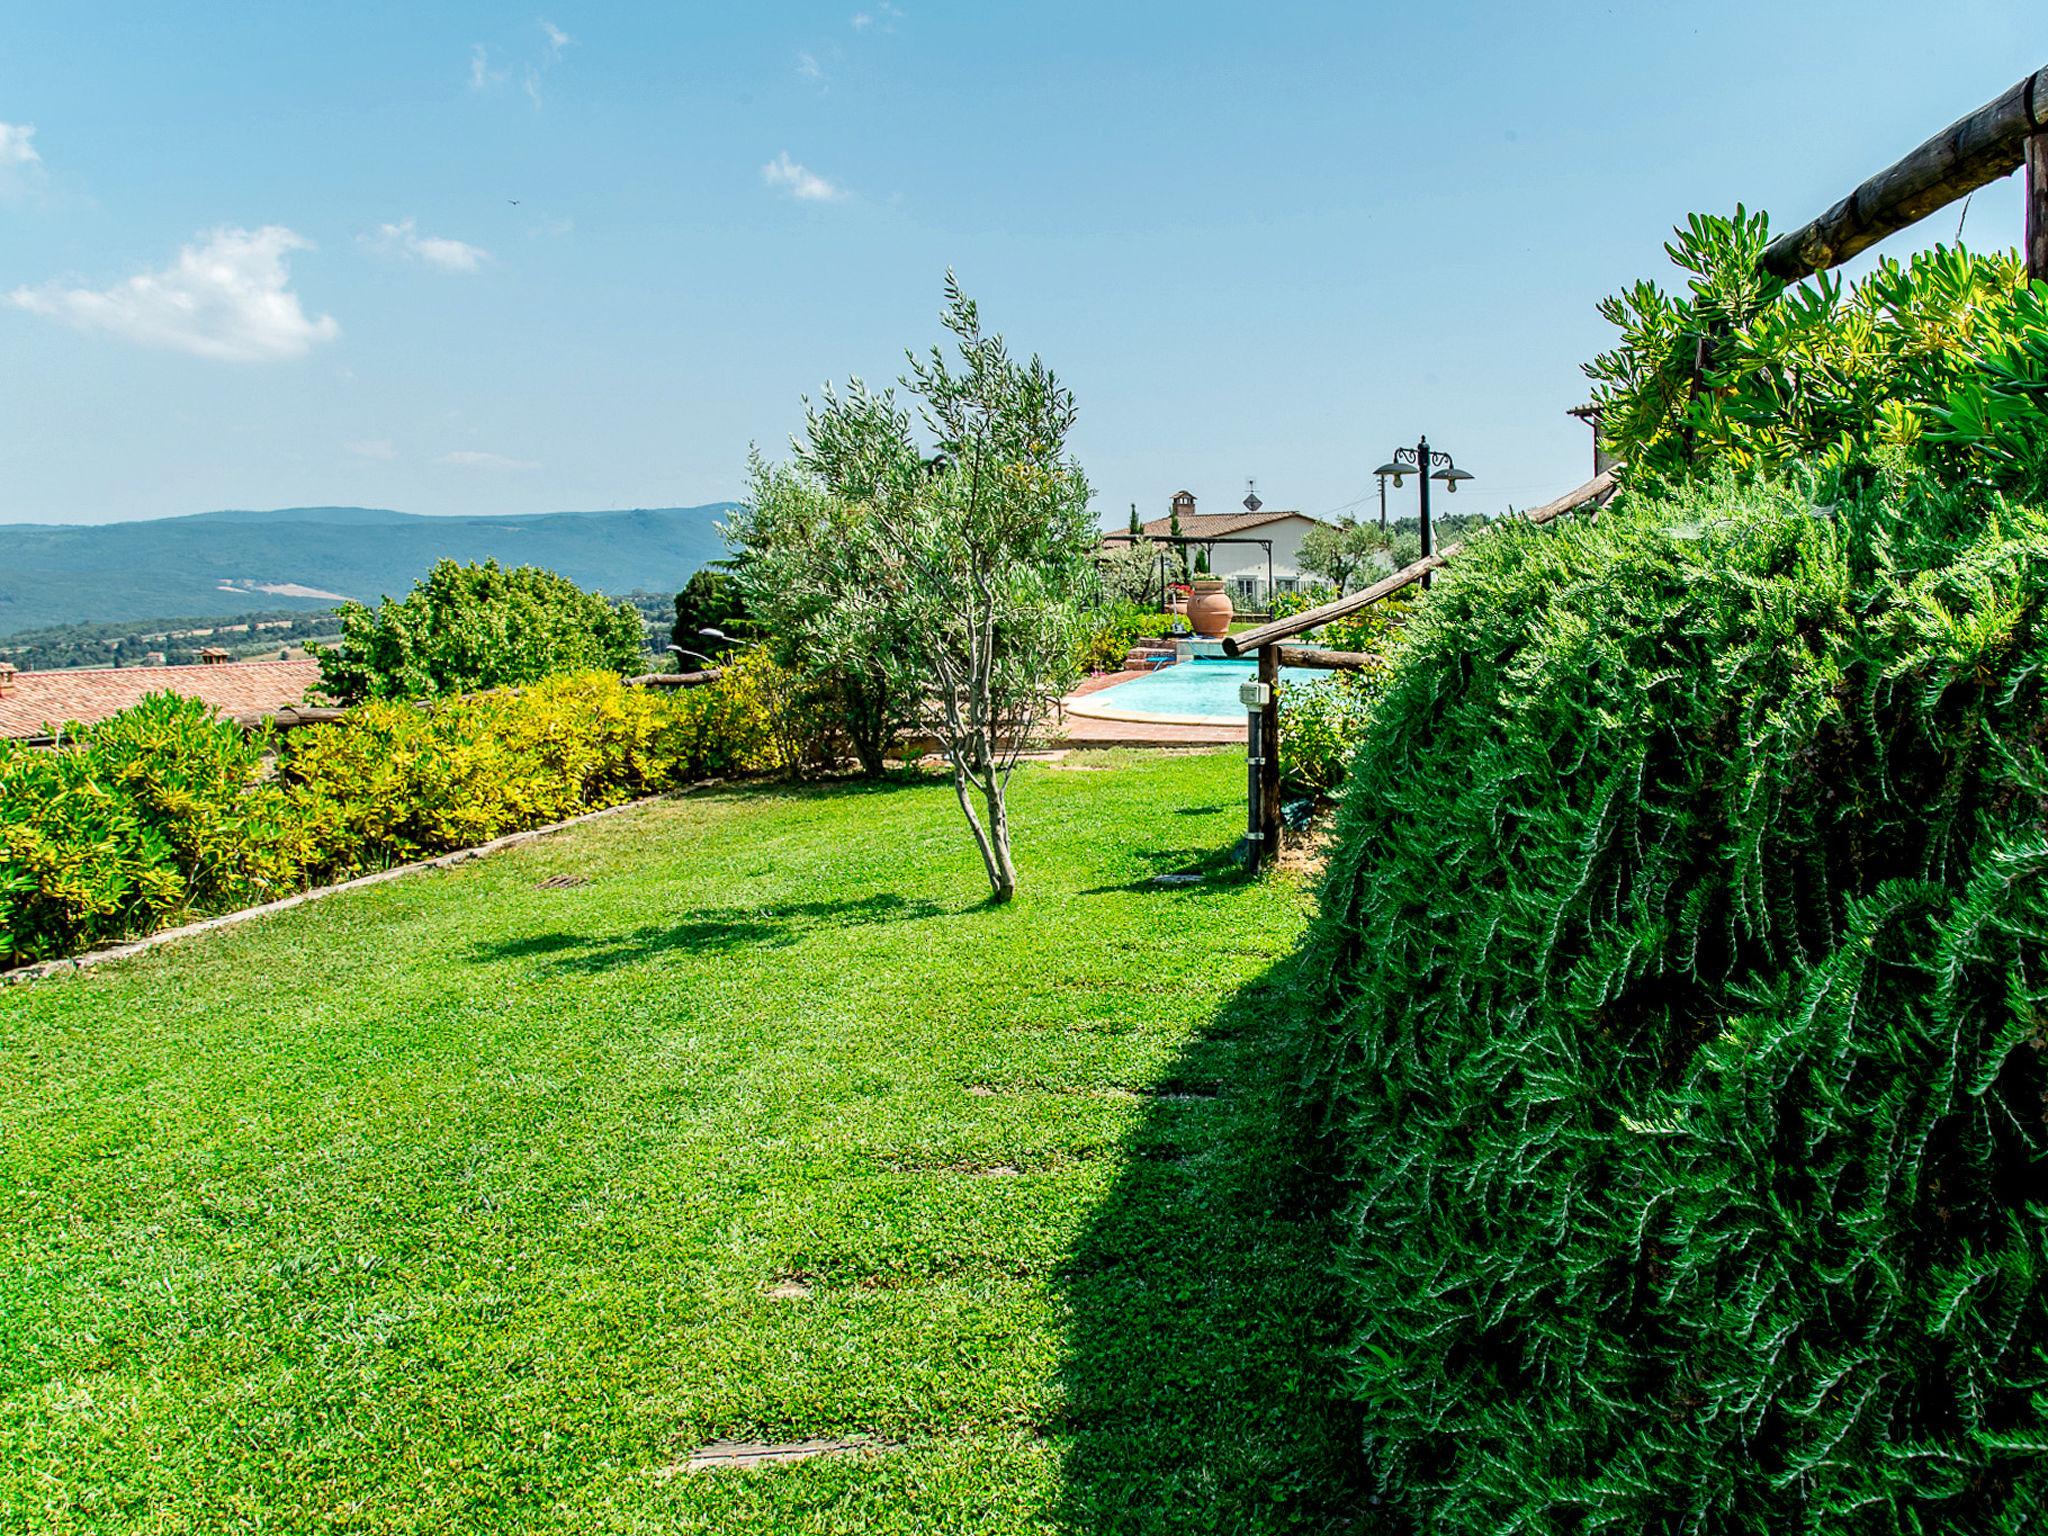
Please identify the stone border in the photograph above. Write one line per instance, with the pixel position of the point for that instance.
(40, 969)
(1087, 711)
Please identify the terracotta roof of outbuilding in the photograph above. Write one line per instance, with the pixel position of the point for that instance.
(1217, 525)
(39, 700)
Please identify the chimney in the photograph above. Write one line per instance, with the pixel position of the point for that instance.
(7, 671)
(212, 656)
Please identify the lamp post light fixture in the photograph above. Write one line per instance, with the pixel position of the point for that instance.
(722, 638)
(1426, 464)
(679, 653)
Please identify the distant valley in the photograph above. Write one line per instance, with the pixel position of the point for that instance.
(309, 557)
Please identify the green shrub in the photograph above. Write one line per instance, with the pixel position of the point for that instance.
(1376, 631)
(78, 863)
(1285, 605)
(1110, 637)
(1744, 371)
(1682, 1046)
(197, 781)
(466, 628)
(1320, 723)
(1994, 412)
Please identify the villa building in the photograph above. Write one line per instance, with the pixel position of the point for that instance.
(1244, 566)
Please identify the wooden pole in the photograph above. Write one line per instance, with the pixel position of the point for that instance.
(1328, 661)
(1971, 152)
(1269, 768)
(2037, 207)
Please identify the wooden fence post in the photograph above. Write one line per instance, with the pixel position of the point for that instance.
(1269, 752)
(2037, 207)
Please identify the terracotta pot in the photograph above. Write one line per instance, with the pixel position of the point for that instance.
(1210, 609)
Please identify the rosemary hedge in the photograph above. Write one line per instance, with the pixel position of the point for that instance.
(1687, 948)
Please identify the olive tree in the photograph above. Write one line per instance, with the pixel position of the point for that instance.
(803, 569)
(965, 555)
(1341, 550)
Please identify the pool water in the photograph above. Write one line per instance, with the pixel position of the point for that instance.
(1205, 689)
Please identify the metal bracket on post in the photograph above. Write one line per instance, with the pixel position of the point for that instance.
(1254, 774)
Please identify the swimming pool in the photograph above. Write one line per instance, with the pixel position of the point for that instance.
(1195, 692)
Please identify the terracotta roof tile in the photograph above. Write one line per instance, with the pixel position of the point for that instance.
(1216, 525)
(39, 700)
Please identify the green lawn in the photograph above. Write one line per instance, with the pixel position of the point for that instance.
(456, 1204)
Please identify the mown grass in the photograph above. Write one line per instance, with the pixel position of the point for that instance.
(456, 1204)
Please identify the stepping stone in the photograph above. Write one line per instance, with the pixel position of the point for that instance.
(1000, 1171)
(1181, 879)
(791, 1288)
(720, 1454)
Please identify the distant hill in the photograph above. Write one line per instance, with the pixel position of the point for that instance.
(307, 557)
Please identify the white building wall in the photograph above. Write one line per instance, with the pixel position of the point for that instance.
(1243, 566)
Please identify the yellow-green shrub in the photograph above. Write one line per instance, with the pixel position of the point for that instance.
(164, 811)
(161, 809)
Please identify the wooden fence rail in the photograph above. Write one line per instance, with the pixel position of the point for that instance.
(1972, 152)
(1596, 489)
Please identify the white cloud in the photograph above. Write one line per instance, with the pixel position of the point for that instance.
(404, 239)
(808, 66)
(799, 182)
(470, 458)
(21, 168)
(884, 15)
(227, 297)
(484, 76)
(17, 145)
(377, 448)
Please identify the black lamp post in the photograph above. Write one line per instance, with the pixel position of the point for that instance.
(1426, 464)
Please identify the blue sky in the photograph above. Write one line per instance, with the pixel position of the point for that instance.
(269, 255)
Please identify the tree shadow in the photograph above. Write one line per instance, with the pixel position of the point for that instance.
(1213, 869)
(1202, 1308)
(704, 930)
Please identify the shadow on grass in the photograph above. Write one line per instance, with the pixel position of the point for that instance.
(1202, 1305)
(1215, 869)
(704, 930)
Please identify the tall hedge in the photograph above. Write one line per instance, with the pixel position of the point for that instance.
(1682, 1052)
